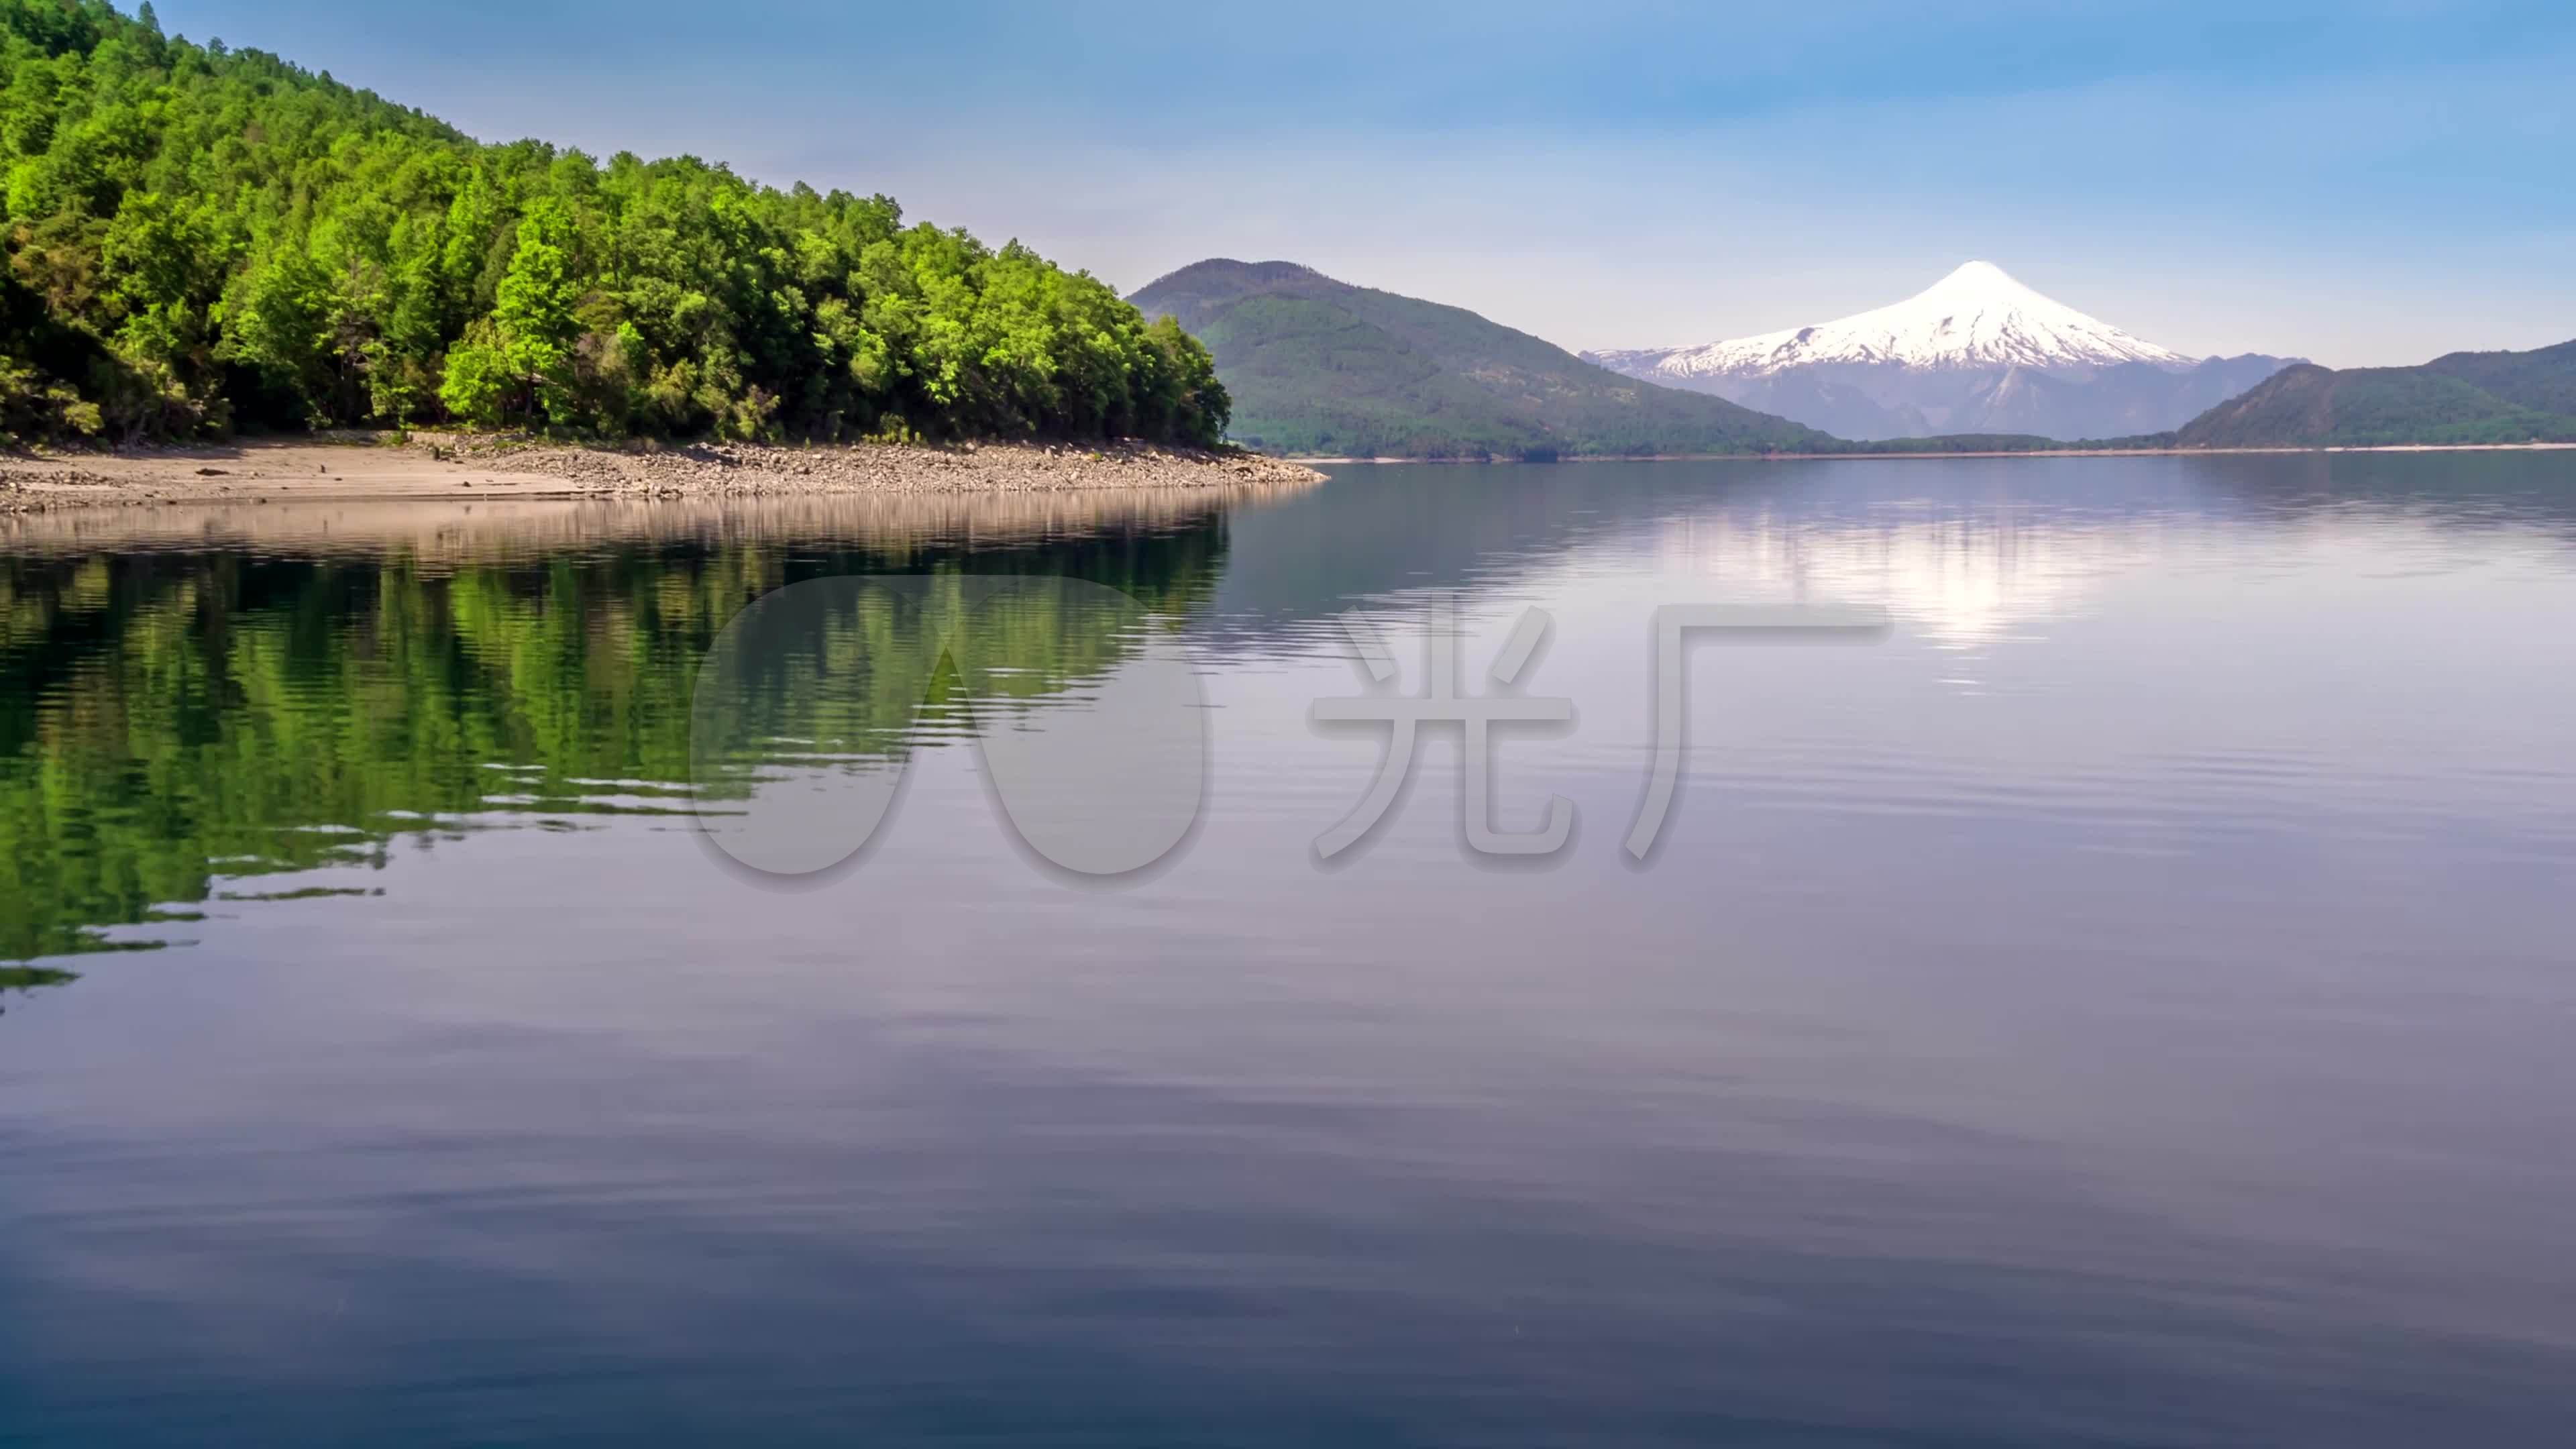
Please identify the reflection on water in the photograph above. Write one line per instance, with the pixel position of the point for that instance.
(28, 978)
(1966, 581)
(174, 714)
(2127, 1005)
(1085, 714)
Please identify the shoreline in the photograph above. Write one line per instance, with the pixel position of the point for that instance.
(501, 526)
(453, 468)
(1313, 460)
(442, 468)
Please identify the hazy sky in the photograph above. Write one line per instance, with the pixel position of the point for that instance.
(2363, 181)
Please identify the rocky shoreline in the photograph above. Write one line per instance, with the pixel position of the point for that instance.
(427, 466)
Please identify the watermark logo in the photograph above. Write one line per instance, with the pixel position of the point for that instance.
(1440, 703)
(1675, 626)
(1086, 710)
(1083, 705)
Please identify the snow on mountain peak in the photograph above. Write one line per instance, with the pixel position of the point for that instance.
(1977, 316)
(1978, 274)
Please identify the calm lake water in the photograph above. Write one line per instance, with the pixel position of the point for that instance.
(2130, 1002)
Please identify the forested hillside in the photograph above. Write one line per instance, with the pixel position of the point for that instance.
(2463, 397)
(199, 239)
(1316, 366)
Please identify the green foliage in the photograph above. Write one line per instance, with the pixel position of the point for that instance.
(199, 238)
(2462, 398)
(34, 405)
(2541, 381)
(534, 312)
(478, 380)
(1319, 367)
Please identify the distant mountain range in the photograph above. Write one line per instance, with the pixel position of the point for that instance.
(1978, 363)
(1976, 352)
(2465, 397)
(1320, 368)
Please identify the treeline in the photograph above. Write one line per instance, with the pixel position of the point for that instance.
(200, 239)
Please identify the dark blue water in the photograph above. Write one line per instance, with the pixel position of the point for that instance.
(2128, 1003)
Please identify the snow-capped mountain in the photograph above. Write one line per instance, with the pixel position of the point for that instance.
(1975, 352)
(1977, 316)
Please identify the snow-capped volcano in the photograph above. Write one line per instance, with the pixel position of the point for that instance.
(1978, 316)
(1974, 352)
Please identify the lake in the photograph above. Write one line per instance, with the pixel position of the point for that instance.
(2123, 999)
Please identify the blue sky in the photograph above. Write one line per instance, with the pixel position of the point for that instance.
(2372, 181)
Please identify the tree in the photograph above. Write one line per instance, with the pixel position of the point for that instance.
(479, 379)
(213, 237)
(534, 313)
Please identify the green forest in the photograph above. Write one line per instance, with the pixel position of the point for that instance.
(201, 240)
(2458, 398)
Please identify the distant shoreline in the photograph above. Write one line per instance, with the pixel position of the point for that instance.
(1311, 460)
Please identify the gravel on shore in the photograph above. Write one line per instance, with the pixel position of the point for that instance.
(435, 466)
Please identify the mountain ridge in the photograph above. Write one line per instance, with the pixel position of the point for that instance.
(2459, 398)
(1319, 367)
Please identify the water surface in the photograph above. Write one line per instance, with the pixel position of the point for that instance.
(2127, 1004)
